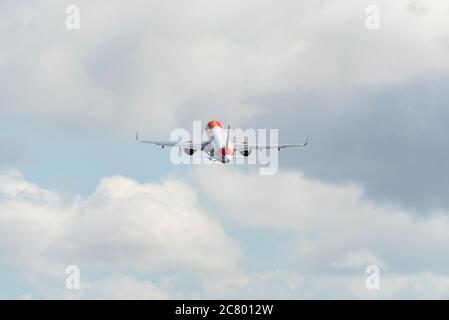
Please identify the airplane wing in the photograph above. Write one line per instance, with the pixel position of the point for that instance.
(173, 144)
(191, 145)
(244, 146)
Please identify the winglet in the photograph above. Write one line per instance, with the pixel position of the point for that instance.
(307, 141)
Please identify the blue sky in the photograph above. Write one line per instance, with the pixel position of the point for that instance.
(74, 162)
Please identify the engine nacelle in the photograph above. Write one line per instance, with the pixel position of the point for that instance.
(189, 151)
(245, 152)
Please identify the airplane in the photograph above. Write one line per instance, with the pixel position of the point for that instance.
(219, 147)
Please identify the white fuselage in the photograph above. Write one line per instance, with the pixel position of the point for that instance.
(217, 149)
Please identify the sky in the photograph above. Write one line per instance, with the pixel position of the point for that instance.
(369, 190)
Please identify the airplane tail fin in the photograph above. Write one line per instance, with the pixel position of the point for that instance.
(227, 146)
(228, 137)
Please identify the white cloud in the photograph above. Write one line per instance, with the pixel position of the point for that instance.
(296, 285)
(145, 229)
(337, 232)
(155, 64)
(134, 240)
(119, 287)
(359, 259)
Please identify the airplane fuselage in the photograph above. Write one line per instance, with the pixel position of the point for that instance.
(218, 147)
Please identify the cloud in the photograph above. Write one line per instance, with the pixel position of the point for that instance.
(150, 230)
(359, 259)
(388, 139)
(166, 62)
(375, 175)
(133, 240)
(332, 229)
(367, 98)
(349, 286)
(120, 287)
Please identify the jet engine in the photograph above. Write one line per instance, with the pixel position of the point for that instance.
(245, 152)
(189, 151)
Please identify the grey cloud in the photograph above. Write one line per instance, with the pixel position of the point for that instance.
(392, 140)
(171, 61)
